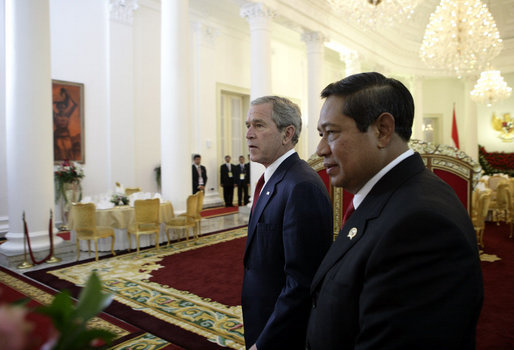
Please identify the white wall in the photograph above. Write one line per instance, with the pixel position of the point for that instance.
(438, 98)
(79, 54)
(147, 96)
(487, 136)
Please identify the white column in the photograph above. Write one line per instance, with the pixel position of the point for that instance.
(259, 17)
(315, 55)
(3, 160)
(416, 89)
(176, 177)
(352, 62)
(121, 93)
(467, 122)
(29, 124)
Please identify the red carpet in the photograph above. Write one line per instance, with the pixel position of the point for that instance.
(213, 272)
(495, 329)
(220, 211)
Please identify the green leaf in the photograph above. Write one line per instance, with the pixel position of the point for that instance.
(91, 299)
(60, 310)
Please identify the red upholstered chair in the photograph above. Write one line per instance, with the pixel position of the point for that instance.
(453, 166)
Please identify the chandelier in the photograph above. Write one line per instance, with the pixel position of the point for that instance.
(375, 13)
(461, 36)
(490, 88)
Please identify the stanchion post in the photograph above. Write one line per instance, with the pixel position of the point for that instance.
(25, 264)
(53, 259)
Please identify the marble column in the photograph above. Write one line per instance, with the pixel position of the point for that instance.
(351, 61)
(416, 89)
(121, 91)
(315, 58)
(259, 18)
(176, 158)
(29, 137)
(467, 121)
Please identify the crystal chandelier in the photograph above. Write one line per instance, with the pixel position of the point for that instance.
(490, 88)
(461, 36)
(375, 13)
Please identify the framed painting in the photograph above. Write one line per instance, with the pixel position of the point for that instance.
(68, 121)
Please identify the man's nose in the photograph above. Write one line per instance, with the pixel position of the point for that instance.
(322, 149)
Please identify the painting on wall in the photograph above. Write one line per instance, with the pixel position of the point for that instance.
(68, 121)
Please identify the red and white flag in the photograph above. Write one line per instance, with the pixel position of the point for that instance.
(455, 133)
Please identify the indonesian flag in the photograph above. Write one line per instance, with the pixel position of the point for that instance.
(455, 133)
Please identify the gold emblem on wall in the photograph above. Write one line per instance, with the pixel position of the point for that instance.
(505, 125)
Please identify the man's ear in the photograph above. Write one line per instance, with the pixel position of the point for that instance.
(288, 134)
(385, 125)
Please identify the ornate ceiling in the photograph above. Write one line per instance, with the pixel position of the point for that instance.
(393, 49)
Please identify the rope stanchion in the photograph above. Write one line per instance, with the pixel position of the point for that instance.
(25, 264)
(50, 254)
(53, 259)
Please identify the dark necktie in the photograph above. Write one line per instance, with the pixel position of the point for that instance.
(258, 189)
(349, 211)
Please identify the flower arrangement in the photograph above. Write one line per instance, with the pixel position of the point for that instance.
(66, 172)
(119, 199)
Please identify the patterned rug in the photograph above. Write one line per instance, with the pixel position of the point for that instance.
(128, 277)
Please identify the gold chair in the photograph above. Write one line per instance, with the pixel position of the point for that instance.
(480, 210)
(146, 220)
(84, 222)
(185, 221)
(199, 207)
(501, 209)
(130, 190)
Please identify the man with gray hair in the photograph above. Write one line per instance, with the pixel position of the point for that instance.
(289, 231)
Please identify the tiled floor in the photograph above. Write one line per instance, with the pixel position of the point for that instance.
(208, 225)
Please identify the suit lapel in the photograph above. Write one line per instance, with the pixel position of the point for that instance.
(266, 194)
(370, 208)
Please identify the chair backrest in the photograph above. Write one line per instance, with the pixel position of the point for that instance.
(503, 196)
(147, 211)
(131, 190)
(495, 180)
(191, 205)
(84, 216)
(481, 202)
(453, 166)
(199, 204)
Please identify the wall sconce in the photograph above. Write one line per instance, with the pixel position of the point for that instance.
(505, 125)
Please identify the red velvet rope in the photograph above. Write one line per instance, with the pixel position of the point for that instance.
(28, 241)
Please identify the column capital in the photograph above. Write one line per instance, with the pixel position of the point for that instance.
(207, 34)
(313, 37)
(122, 10)
(256, 13)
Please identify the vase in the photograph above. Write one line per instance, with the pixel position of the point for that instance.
(71, 193)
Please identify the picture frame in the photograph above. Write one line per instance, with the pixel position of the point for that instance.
(68, 121)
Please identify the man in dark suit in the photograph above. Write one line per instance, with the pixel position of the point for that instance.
(227, 181)
(289, 230)
(199, 174)
(242, 176)
(404, 272)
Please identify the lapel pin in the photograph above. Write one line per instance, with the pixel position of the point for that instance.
(352, 232)
(267, 193)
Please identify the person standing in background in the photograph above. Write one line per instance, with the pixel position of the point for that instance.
(242, 176)
(227, 181)
(199, 174)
